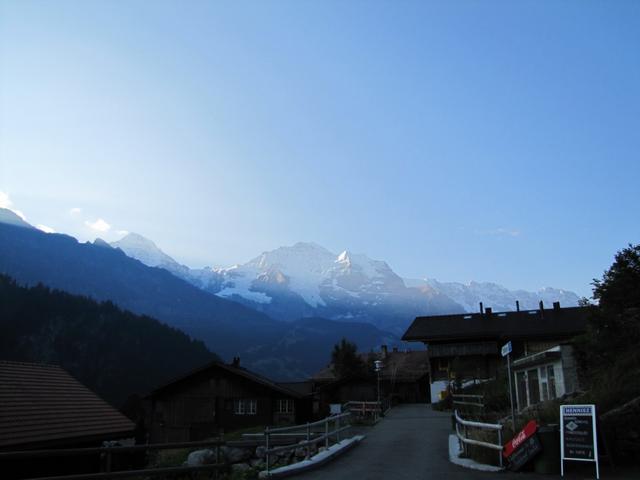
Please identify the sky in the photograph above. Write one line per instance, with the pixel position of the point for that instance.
(465, 140)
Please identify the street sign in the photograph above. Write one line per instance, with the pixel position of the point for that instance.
(506, 349)
(578, 439)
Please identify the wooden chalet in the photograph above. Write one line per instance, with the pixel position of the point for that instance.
(467, 346)
(218, 398)
(404, 378)
(44, 407)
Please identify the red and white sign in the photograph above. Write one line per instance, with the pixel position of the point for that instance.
(512, 445)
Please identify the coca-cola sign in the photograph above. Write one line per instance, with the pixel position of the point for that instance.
(527, 432)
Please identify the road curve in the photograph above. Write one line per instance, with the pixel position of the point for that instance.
(409, 443)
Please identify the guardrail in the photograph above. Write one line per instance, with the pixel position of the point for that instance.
(314, 433)
(468, 400)
(464, 438)
(106, 455)
(363, 409)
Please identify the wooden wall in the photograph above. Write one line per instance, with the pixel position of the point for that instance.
(203, 405)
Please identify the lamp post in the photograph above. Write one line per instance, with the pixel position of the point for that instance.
(378, 367)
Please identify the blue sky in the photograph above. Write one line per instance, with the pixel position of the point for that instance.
(468, 140)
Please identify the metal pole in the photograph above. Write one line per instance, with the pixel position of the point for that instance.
(513, 415)
(326, 433)
(266, 437)
(308, 440)
(500, 443)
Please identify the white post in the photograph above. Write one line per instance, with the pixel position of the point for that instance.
(513, 415)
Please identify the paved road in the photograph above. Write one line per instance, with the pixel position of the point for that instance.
(409, 443)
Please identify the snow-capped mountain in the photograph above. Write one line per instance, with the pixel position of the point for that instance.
(307, 280)
(496, 296)
(142, 249)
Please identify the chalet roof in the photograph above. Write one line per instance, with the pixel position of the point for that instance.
(527, 324)
(303, 388)
(234, 370)
(43, 404)
(399, 366)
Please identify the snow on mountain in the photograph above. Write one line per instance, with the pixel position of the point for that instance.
(307, 280)
(144, 250)
(11, 218)
(302, 267)
(496, 296)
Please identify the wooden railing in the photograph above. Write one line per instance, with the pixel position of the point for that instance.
(313, 433)
(364, 409)
(466, 440)
(107, 453)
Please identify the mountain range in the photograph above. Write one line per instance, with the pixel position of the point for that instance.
(307, 280)
(98, 271)
(280, 312)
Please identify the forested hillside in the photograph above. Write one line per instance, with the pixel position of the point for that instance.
(114, 352)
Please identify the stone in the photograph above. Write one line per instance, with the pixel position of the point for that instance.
(240, 467)
(257, 463)
(201, 457)
(236, 454)
(261, 451)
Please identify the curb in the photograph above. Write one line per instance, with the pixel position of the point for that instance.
(316, 461)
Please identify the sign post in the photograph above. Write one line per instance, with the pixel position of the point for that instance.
(578, 439)
(506, 352)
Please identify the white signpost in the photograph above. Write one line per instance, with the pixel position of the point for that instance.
(578, 440)
(506, 352)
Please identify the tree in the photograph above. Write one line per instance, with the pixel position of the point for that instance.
(607, 353)
(619, 288)
(346, 361)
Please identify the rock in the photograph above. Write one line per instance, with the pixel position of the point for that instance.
(257, 463)
(261, 451)
(301, 452)
(236, 454)
(240, 467)
(201, 457)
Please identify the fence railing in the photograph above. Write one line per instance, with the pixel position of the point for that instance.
(107, 454)
(468, 400)
(313, 433)
(466, 440)
(364, 409)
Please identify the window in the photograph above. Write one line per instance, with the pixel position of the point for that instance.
(285, 406)
(535, 385)
(551, 376)
(443, 364)
(244, 407)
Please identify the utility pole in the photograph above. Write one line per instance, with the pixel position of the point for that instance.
(379, 366)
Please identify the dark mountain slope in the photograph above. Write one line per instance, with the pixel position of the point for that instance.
(276, 349)
(59, 261)
(113, 352)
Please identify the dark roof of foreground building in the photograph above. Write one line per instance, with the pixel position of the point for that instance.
(44, 405)
(234, 370)
(527, 324)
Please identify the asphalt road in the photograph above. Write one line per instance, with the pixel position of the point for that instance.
(409, 443)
